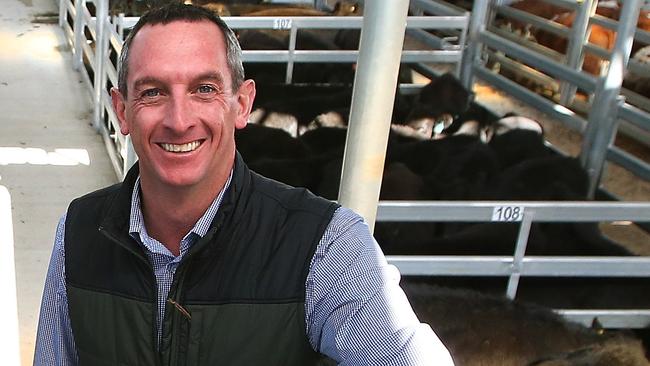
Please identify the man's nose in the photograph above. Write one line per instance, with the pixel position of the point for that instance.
(179, 114)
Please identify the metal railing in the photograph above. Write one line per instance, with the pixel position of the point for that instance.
(518, 264)
(608, 110)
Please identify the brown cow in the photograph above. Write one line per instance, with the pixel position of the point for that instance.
(599, 36)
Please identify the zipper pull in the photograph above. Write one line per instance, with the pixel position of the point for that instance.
(181, 309)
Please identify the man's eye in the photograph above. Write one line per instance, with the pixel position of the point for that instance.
(151, 93)
(204, 89)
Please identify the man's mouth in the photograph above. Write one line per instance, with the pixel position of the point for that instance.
(182, 148)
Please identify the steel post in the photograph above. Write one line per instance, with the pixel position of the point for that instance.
(472, 51)
(63, 10)
(578, 36)
(382, 39)
(101, 46)
(603, 116)
(78, 31)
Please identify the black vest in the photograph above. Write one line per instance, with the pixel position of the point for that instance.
(238, 294)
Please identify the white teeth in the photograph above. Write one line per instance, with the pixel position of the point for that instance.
(190, 146)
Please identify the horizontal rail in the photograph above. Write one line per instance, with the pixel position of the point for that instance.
(470, 211)
(343, 56)
(613, 319)
(328, 22)
(639, 34)
(534, 20)
(630, 162)
(434, 7)
(635, 115)
(557, 111)
(532, 266)
(545, 64)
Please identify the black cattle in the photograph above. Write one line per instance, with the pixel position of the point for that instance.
(553, 178)
(304, 102)
(255, 142)
(442, 95)
(304, 172)
(621, 352)
(476, 112)
(480, 329)
(324, 139)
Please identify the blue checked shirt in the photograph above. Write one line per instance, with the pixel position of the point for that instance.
(356, 313)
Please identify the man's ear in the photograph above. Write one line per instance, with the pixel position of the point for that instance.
(119, 106)
(245, 97)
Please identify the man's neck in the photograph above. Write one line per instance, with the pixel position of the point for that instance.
(170, 213)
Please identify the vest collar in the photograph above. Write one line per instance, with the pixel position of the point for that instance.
(116, 218)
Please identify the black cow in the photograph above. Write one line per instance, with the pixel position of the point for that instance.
(480, 329)
(255, 142)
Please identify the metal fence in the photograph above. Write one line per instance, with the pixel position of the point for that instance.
(85, 28)
(518, 264)
(609, 104)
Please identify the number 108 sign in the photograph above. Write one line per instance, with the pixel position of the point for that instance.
(508, 213)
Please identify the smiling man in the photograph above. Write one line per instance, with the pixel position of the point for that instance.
(196, 260)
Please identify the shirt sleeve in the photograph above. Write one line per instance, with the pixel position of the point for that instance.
(356, 313)
(54, 340)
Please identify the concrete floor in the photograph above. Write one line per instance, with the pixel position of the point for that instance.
(49, 153)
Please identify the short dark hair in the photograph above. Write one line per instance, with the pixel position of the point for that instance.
(182, 12)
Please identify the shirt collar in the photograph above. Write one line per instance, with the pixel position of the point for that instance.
(136, 221)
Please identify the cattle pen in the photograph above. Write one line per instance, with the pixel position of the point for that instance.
(96, 40)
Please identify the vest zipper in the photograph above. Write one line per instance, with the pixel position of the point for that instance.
(157, 358)
(176, 301)
(180, 311)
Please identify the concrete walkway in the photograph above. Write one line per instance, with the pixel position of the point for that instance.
(49, 153)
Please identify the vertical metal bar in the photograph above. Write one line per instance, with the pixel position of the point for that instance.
(472, 52)
(63, 12)
(120, 25)
(78, 31)
(320, 4)
(462, 40)
(9, 339)
(520, 251)
(382, 38)
(292, 48)
(101, 47)
(601, 126)
(578, 37)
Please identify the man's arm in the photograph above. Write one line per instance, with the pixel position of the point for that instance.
(54, 341)
(356, 312)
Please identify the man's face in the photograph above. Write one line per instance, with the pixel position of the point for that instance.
(181, 111)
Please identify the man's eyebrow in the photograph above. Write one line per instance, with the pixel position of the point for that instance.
(210, 76)
(145, 81)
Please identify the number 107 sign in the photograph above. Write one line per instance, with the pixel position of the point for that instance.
(508, 213)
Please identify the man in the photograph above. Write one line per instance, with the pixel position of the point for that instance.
(194, 259)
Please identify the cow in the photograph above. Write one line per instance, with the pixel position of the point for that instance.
(482, 329)
(599, 36)
(444, 94)
(255, 142)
